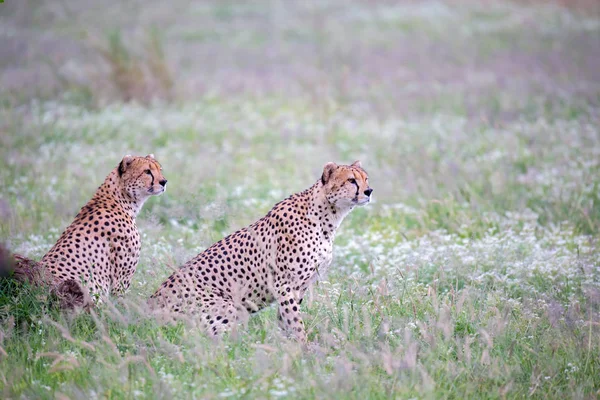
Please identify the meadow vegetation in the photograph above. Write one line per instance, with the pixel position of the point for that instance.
(475, 273)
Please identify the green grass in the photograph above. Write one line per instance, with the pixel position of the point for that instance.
(475, 273)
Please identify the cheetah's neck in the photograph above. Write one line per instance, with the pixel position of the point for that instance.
(112, 191)
(329, 216)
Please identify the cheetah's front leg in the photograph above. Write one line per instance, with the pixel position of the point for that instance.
(124, 256)
(289, 313)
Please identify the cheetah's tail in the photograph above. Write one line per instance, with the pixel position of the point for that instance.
(21, 268)
(69, 293)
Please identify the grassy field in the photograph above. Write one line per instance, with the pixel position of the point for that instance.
(475, 273)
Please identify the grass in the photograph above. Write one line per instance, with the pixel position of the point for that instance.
(475, 273)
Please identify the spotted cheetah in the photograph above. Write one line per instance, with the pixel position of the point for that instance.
(274, 259)
(101, 248)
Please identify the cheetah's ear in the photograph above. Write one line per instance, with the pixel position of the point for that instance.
(150, 156)
(125, 163)
(356, 164)
(327, 171)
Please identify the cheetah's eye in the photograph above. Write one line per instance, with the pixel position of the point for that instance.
(148, 172)
(352, 181)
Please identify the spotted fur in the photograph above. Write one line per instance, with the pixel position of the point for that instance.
(273, 260)
(101, 248)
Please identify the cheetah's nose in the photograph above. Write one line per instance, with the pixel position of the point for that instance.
(163, 182)
(368, 191)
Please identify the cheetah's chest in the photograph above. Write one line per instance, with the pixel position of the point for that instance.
(127, 247)
(324, 256)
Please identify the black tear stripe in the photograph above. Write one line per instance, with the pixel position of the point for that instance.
(356, 184)
(152, 175)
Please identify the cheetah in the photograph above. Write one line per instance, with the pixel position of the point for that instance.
(274, 259)
(101, 248)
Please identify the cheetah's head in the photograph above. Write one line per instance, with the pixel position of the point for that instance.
(141, 176)
(346, 186)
